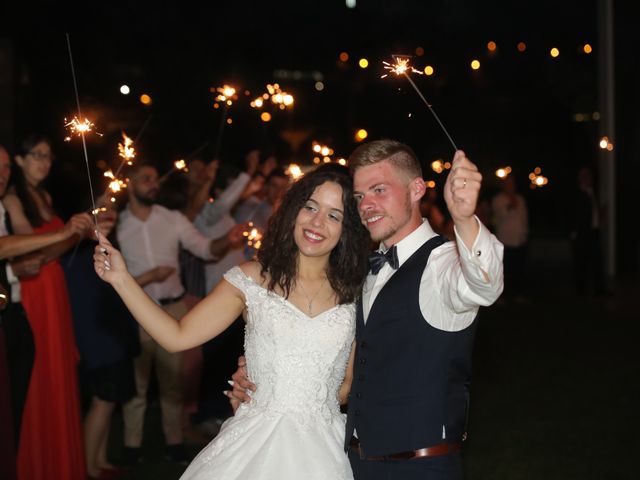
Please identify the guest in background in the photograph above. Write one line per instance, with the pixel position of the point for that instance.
(51, 444)
(510, 219)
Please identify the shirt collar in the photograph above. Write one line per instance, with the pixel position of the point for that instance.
(412, 242)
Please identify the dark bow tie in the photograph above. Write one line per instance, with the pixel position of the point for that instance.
(378, 259)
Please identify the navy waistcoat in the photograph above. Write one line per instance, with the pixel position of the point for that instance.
(411, 381)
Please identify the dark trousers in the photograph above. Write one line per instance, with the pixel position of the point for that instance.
(445, 467)
(20, 355)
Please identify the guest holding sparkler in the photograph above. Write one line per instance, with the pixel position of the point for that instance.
(51, 434)
(19, 258)
(107, 340)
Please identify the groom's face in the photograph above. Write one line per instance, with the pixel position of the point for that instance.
(384, 201)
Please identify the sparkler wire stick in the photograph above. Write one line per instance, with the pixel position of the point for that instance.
(84, 144)
(223, 121)
(431, 110)
(402, 67)
(193, 154)
(144, 126)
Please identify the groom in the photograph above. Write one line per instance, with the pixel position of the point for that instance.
(415, 320)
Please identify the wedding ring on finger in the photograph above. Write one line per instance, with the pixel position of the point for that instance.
(464, 183)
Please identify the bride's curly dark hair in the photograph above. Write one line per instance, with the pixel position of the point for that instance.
(348, 260)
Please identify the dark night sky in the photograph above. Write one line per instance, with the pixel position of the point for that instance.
(516, 110)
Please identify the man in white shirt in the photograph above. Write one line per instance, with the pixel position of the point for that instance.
(415, 322)
(511, 221)
(150, 237)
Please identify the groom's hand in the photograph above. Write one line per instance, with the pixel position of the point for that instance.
(241, 386)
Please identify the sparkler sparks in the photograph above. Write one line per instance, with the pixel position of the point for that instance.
(253, 236)
(277, 96)
(226, 96)
(402, 67)
(125, 149)
(81, 131)
(178, 165)
(115, 185)
(78, 128)
(96, 211)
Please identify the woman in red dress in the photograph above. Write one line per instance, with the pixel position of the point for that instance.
(51, 443)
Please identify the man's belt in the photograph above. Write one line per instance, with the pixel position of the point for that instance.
(433, 451)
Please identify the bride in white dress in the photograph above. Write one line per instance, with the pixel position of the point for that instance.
(298, 303)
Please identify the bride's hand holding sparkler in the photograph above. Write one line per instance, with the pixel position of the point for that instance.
(108, 262)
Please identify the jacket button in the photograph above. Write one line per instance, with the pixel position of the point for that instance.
(358, 412)
(358, 395)
(363, 344)
(363, 361)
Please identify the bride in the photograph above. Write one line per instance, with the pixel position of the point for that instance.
(298, 304)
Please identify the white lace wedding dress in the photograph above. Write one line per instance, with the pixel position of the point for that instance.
(292, 429)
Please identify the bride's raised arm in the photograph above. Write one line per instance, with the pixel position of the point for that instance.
(207, 319)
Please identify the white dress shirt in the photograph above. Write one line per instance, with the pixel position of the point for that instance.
(156, 242)
(213, 221)
(206, 221)
(453, 285)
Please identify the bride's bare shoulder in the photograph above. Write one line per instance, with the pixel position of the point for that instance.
(253, 270)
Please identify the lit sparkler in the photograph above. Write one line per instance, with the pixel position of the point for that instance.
(225, 95)
(81, 132)
(96, 211)
(115, 185)
(253, 236)
(294, 171)
(178, 165)
(402, 67)
(126, 152)
(277, 96)
(78, 128)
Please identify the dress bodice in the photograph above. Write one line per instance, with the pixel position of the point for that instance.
(297, 362)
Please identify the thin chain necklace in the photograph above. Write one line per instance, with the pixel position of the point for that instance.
(310, 300)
